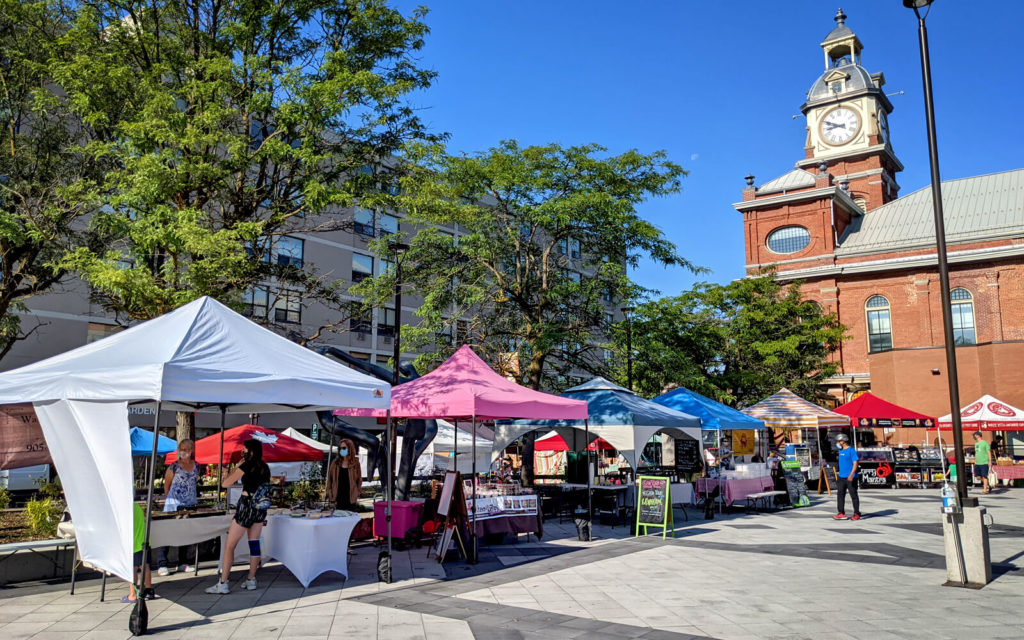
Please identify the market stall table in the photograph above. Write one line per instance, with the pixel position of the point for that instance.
(734, 489)
(510, 514)
(1009, 472)
(171, 532)
(309, 547)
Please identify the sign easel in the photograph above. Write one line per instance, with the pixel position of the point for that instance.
(654, 505)
(452, 493)
(827, 477)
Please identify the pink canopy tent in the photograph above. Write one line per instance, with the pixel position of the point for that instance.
(464, 386)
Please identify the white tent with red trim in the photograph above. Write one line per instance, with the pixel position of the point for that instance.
(986, 414)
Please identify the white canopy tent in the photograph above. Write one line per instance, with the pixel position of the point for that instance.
(444, 448)
(201, 357)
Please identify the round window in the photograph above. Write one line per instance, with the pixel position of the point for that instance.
(789, 239)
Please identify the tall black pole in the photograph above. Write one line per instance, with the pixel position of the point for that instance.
(473, 549)
(220, 460)
(629, 346)
(940, 245)
(150, 477)
(590, 508)
(384, 562)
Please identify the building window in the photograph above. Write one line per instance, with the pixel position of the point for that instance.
(576, 277)
(289, 252)
(575, 248)
(361, 322)
(386, 322)
(362, 267)
(98, 331)
(388, 224)
(288, 307)
(879, 325)
(789, 239)
(256, 301)
(363, 221)
(359, 355)
(563, 246)
(962, 305)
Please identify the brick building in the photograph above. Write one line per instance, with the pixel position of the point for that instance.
(836, 223)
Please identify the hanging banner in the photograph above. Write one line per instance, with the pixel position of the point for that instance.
(743, 442)
(21, 438)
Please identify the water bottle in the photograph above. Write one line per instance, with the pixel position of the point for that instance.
(948, 498)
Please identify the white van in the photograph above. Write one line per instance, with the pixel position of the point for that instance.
(25, 478)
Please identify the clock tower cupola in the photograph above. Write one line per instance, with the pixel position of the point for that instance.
(847, 122)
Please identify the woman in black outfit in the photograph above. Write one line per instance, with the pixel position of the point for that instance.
(248, 520)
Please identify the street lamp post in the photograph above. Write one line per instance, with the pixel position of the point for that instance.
(384, 561)
(629, 346)
(969, 551)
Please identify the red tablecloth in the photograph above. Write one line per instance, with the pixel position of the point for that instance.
(735, 488)
(1015, 472)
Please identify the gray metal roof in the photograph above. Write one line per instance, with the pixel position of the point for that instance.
(857, 79)
(976, 209)
(795, 179)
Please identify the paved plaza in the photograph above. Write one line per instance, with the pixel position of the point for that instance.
(790, 574)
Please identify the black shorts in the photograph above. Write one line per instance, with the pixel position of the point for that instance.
(137, 558)
(246, 514)
(981, 471)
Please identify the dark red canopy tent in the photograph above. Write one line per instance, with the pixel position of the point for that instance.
(868, 410)
(557, 443)
(277, 447)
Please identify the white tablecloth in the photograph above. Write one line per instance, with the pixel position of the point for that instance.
(309, 547)
(175, 532)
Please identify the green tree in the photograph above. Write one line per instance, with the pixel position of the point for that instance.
(232, 124)
(45, 174)
(737, 343)
(546, 234)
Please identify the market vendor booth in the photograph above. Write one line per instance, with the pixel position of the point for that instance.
(465, 388)
(200, 357)
(988, 414)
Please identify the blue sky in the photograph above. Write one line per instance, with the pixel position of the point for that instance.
(716, 85)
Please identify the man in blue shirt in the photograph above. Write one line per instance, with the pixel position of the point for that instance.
(847, 478)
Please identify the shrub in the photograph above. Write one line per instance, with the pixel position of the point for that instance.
(43, 516)
(5, 499)
(50, 490)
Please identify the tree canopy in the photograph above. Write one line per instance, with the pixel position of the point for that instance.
(546, 234)
(228, 126)
(737, 343)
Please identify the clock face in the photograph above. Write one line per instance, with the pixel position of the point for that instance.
(883, 126)
(839, 125)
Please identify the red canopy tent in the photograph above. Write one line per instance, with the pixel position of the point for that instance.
(277, 447)
(987, 414)
(868, 410)
(557, 443)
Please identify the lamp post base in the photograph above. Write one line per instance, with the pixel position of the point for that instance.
(968, 561)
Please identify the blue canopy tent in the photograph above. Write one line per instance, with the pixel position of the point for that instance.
(714, 416)
(622, 418)
(142, 443)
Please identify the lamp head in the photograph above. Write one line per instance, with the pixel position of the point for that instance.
(917, 4)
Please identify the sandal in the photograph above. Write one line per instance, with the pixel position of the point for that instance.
(127, 600)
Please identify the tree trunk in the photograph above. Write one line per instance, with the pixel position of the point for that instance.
(534, 380)
(185, 426)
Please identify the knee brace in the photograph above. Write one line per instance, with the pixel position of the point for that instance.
(254, 548)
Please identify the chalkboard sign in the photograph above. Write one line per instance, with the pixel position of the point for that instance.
(654, 504)
(687, 455)
(827, 479)
(796, 487)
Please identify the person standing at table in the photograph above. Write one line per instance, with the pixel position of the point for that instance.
(180, 483)
(981, 460)
(249, 517)
(847, 478)
(345, 478)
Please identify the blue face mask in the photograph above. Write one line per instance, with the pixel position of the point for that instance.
(342, 452)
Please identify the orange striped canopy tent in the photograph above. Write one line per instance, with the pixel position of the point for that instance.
(787, 411)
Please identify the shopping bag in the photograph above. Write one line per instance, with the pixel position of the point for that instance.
(138, 622)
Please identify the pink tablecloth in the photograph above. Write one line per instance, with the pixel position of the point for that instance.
(735, 488)
(1009, 473)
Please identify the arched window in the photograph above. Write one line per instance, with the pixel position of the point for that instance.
(879, 324)
(963, 317)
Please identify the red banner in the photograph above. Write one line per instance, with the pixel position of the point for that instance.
(21, 438)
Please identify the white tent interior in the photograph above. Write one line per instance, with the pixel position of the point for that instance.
(443, 449)
(200, 357)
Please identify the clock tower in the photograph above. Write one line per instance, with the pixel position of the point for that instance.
(847, 122)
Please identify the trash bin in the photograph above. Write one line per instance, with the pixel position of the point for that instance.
(582, 525)
(405, 517)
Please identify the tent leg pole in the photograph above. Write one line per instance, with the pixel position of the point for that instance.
(149, 503)
(220, 460)
(385, 575)
(590, 510)
(455, 447)
(473, 549)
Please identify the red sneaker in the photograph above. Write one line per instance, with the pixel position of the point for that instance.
(855, 516)
(839, 516)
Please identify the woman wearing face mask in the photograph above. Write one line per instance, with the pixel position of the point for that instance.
(249, 519)
(345, 478)
(180, 491)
